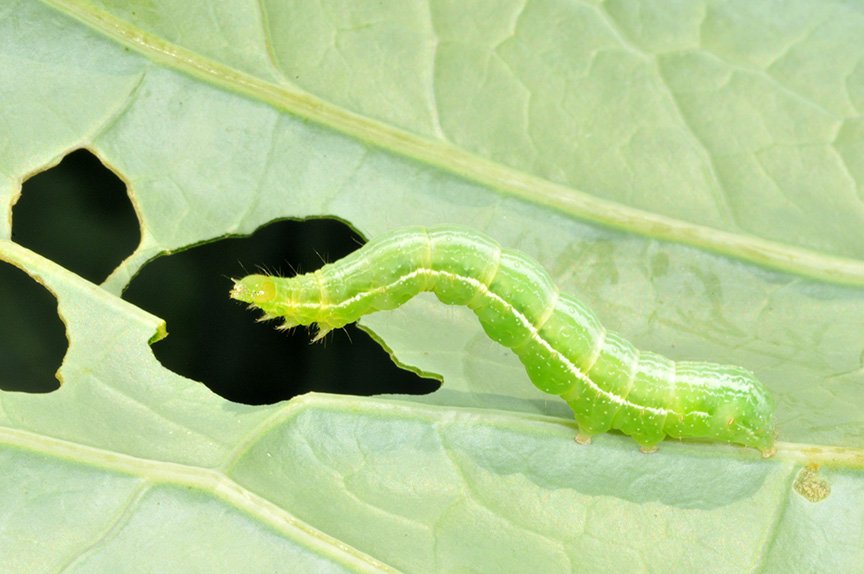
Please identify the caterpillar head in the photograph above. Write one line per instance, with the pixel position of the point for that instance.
(262, 292)
(296, 301)
(257, 290)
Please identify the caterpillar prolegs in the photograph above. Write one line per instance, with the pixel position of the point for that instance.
(607, 382)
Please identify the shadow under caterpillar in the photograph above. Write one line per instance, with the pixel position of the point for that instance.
(607, 382)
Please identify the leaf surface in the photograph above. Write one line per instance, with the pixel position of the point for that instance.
(691, 170)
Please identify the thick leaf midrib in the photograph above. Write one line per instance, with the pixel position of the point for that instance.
(441, 155)
(380, 408)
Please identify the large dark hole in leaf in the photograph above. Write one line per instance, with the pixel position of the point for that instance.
(32, 337)
(79, 215)
(217, 340)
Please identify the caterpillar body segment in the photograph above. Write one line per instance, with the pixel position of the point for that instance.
(566, 351)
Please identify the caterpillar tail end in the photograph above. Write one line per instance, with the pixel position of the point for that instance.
(765, 443)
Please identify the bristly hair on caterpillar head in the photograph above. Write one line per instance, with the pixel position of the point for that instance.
(261, 292)
(254, 289)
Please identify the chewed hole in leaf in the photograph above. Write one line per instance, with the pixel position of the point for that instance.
(218, 341)
(79, 215)
(32, 337)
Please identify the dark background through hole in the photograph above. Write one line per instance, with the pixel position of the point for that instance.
(218, 340)
(32, 337)
(79, 215)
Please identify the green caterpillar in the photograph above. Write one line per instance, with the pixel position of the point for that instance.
(607, 382)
